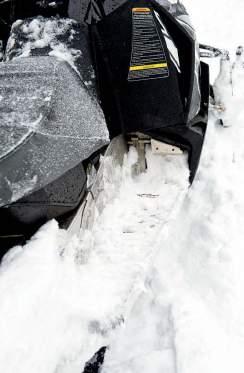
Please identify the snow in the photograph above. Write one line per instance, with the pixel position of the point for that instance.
(21, 188)
(197, 278)
(41, 33)
(62, 297)
(196, 281)
(218, 23)
(229, 89)
(160, 280)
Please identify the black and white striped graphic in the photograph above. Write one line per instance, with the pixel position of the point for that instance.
(173, 51)
(148, 60)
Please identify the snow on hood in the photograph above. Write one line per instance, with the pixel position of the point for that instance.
(25, 100)
(49, 123)
(54, 36)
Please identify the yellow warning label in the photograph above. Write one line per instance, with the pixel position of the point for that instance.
(142, 10)
(147, 67)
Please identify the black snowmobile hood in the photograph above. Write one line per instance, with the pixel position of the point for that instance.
(49, 123)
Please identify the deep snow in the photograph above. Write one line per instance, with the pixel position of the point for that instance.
(189, 315)
(58, 291)
(170, 300)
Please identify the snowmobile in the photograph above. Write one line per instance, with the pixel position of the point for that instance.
(80, 81)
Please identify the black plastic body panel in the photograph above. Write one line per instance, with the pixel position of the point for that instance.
(21, 219)
(133, 106)
(190, 137)
(157, 107)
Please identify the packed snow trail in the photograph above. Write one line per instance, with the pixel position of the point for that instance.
(61, 296)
